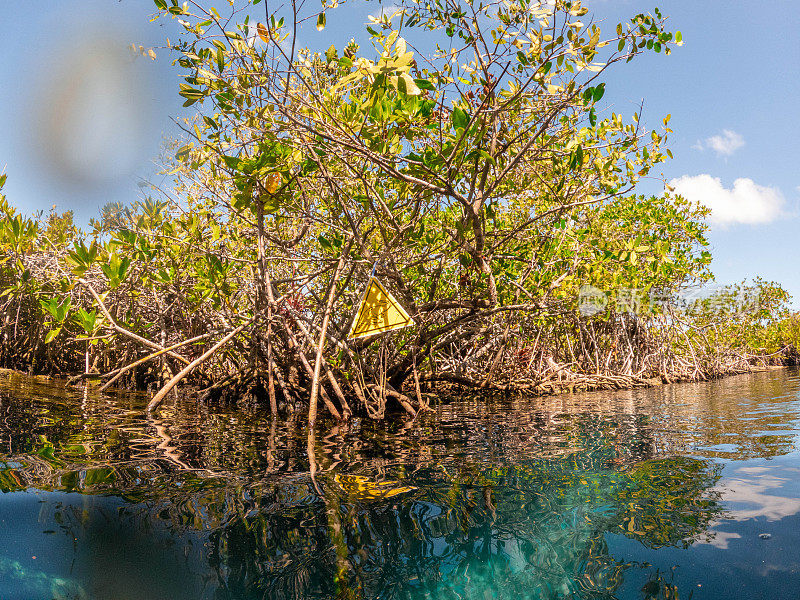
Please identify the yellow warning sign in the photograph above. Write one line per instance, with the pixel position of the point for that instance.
(379, 312)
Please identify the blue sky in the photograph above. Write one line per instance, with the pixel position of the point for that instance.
(83, 121)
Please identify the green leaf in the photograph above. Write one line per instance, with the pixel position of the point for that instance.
(321, 21)
(183, 152)
(51, 335)
(460, 118)
(161, 4)
(599, 90)
(123, 267)
(271, 204)
(232, 162)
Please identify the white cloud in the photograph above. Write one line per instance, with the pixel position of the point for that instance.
(724, 144)
(752, 503)
(747, 202)
(718, 539)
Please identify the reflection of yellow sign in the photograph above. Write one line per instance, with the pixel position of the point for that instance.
(362, 489)
(379, 312)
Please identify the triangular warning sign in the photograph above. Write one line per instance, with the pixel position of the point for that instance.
(379, 311)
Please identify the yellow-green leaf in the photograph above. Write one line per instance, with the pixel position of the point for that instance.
(411, 87)
(51, 335)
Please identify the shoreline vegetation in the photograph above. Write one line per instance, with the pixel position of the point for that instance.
(572, 384)
(484, 182)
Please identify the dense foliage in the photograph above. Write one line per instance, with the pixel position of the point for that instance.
(476, 172)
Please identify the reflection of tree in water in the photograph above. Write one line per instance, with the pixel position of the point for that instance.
(517, 526)
(514, 499)
(528, 531)
(690, 418)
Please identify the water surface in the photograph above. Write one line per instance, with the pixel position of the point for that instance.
(683, 491)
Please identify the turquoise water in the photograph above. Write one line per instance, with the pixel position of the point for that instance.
(686, 491)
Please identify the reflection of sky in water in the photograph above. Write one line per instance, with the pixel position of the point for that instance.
(45, 556)
(759, 497)
(762, 492)
(751, 492)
